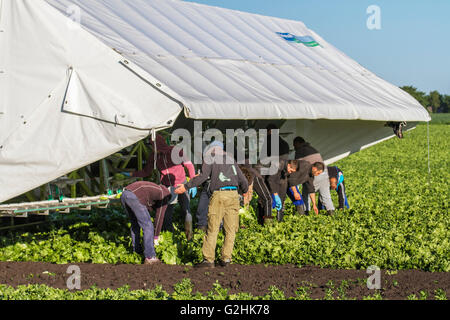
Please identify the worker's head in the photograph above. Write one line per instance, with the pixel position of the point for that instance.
(333, 183)
(216, 144)
(317, 168)
(298, 141)
(292, 166)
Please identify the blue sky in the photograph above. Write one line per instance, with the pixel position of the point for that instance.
(411, 48)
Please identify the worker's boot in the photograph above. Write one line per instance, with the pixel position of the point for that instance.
(152, 261)
(330, 212)
(224, 263)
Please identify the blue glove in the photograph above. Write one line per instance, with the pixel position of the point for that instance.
(193, 192)
(340, 180)
(276, 202)
(126, 174)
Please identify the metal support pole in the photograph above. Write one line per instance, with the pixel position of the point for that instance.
(140, 152)
(155, 153)
(133, 151)
(50, 192)
(73, 187)
(42, 193)
(104, 175)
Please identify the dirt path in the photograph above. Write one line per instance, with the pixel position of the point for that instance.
(236, 278)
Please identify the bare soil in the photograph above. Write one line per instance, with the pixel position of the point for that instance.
(254, 279)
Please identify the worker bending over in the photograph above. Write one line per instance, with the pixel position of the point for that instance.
(137, 199)
(304, 176)
(172, 174)
(304, 151)
(337, 183)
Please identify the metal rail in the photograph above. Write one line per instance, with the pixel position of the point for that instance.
(44, 207)
(78, 189)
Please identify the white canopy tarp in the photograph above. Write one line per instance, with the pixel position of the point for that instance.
(226, 64)
(71, 94)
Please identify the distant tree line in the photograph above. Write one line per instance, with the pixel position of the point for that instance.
(433, 102)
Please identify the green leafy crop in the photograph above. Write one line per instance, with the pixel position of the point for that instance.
(399, 219)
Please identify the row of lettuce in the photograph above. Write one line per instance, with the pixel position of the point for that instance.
(184, 290)
(399, 219)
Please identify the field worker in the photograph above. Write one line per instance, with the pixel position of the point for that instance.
(278, 185)
(282, 158)
(337, 183)
(317, 170)
(172, 174)
(226, 179)
(304, 176)
(304, 151)
(137, 199)
(264, 212)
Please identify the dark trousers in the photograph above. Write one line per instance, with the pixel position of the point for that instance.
(202, 209)
(264, 199)
(183, 200)
(282, 194)
(140, 219)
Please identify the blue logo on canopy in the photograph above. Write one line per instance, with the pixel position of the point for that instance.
(306, 40)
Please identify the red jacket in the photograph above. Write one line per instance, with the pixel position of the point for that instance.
(172, 174)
